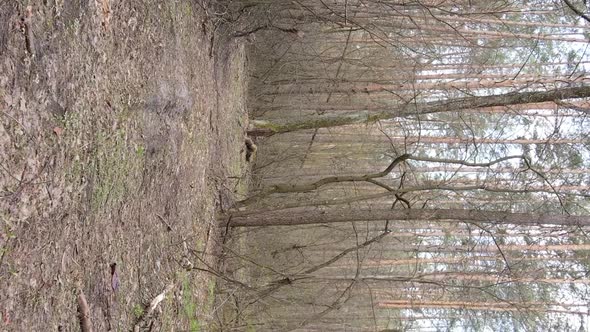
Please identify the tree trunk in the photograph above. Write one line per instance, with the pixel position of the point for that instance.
(302, 216)
(512, 98)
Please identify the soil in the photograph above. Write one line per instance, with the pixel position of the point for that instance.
(122, 133)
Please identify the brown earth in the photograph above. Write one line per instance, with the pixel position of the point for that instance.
(122, 133)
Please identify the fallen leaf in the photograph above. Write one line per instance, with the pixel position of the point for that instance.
(58, 131)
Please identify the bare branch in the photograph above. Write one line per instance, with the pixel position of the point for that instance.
(576, 10)
(302, 188)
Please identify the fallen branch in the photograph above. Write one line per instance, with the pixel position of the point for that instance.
(83, 313)
(153, 305)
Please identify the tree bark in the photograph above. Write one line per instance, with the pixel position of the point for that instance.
(512, 98)
(302, 216)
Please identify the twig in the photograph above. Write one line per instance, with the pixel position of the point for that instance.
(168, 227)
(276, 284)
(25, 130)
(466, 163)
(542, 176)
(29, 37)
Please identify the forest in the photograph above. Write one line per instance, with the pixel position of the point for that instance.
(422, 166)
(304, 165)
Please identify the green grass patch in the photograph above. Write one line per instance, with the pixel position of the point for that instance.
(250, 328)
(190, 306)
(140, 151)
(210, 294)
(100, 157)
(112, 164)
(138, 310)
